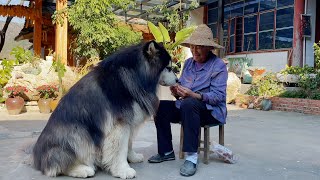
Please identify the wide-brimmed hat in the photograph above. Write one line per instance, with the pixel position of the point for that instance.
(202, 36)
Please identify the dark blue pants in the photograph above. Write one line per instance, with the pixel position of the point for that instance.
(192, 114)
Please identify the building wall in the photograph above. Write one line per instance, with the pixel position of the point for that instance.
(196, 17)
(309, 54)
(272, 61)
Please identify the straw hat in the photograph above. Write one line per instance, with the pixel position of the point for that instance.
(202, 36)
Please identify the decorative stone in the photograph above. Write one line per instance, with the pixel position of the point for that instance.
(233, 86)
(46, 76)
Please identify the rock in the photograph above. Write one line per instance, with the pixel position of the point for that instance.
(46, 76)
(233, 87)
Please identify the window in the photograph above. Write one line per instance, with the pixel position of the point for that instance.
(282, 3)
(285, 17)
(251, 25)
(284, 38)
(251, 6)
(250, 32)
(213, 18)
(267, 5)
(266, 21)
(266, 30)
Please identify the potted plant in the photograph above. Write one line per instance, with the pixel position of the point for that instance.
(46, 92)
(15, 102)
(266, 87)
(60, 68)
(50, 55)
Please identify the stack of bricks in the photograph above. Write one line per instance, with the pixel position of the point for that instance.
(307, 106)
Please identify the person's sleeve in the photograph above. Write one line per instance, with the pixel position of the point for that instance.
(218, 87)
(185, 64)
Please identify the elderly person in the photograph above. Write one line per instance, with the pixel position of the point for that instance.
(201, 99)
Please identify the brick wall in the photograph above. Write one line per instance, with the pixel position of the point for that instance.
(307, 106)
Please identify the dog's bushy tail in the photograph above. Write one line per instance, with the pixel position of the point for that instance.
(54, 161)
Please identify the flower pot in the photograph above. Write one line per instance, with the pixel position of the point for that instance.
(49, 58)
(15, 105)
(266, 104)
(53, 104)
(44, 105)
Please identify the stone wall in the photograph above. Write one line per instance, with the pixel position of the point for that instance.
(307, 106)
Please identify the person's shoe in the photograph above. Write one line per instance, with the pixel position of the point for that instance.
(188, 168)
(160, 158)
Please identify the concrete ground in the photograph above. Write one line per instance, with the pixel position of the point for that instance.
(270, 145)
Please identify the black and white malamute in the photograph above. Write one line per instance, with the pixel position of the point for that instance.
(94, 123)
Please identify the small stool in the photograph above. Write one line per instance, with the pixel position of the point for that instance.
(206, 141)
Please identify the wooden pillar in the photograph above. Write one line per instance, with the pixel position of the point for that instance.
(220, 26)
(61, 38)
(37, 32)
(297, 37)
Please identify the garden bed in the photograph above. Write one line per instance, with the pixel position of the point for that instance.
(306, 106)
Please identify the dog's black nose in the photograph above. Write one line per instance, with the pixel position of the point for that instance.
(177, 80)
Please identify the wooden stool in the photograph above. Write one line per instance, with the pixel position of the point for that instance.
(206, 141)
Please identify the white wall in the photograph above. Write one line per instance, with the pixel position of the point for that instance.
(196, 17)
(272, 61)
(309, 53)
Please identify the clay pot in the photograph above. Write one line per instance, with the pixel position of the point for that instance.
(53, 104)
(15, 105)
(44, 105)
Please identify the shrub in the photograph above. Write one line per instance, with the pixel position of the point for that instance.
(267, 86)
(294, 94)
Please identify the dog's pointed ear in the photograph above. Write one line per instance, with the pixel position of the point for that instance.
(152, 48)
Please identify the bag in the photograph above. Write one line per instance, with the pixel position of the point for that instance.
(224, 154)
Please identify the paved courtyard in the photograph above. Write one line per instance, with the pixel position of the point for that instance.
(270, 145)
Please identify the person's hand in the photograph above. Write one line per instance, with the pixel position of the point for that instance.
(173, 90)
(185, 92)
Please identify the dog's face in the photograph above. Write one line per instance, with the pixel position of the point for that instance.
(157, 56)
(168, 77)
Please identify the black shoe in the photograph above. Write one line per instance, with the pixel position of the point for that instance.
(188, 168)
(160, 158)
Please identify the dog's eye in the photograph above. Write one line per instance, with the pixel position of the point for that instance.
(169, 69)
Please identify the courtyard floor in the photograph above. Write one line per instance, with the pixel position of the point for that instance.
(269, 145)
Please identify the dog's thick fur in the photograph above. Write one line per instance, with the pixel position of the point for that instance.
(94, 122)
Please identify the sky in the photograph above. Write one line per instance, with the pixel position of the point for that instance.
(13, 2)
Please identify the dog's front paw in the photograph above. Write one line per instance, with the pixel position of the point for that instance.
(81, 171)
(127, 173)
(135, 157)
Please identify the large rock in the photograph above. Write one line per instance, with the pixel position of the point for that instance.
(46, 76)
(233, 87)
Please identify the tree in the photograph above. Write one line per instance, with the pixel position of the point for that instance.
(97, 29)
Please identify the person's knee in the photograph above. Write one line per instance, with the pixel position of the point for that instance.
(189, 103)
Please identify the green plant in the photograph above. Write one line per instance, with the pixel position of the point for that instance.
(161, 35)
(316, 47)
(239, 65)
(294, 94)
(308, 83)
(47, 91)
(174, 18)
(298, 70)
(100, 32)
(267, 87)
(5, 71)
(60, 68)
(2, 99)
(22, 56)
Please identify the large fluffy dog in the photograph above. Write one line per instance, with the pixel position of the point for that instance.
(94, 122)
